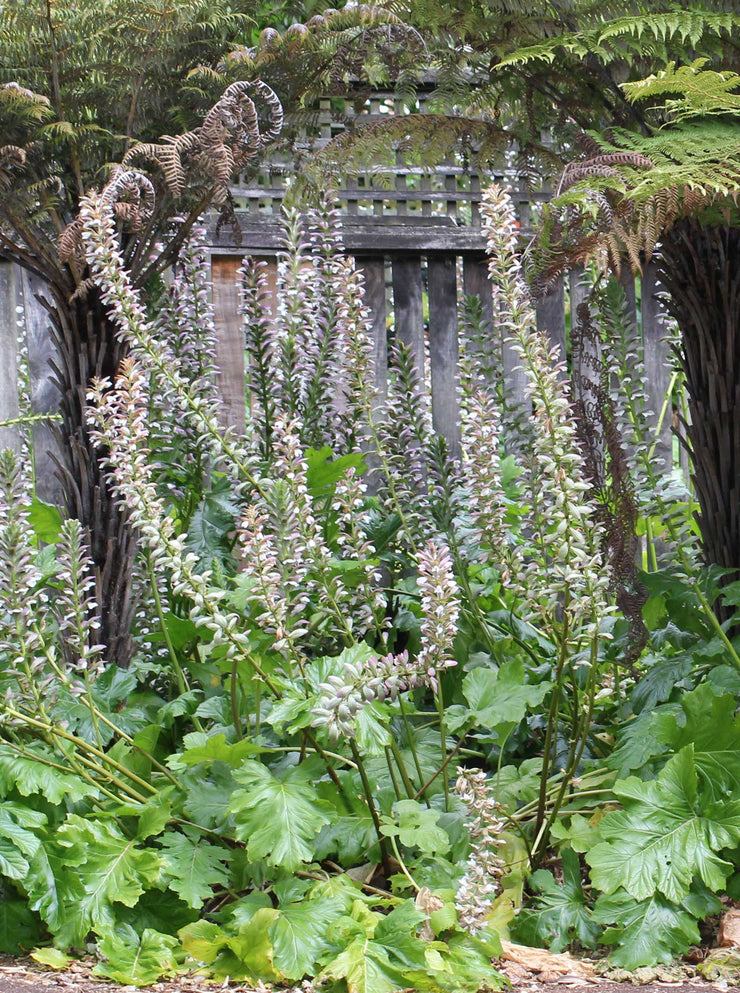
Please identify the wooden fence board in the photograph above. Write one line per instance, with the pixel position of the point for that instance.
(657, 369)
(9, 406)
(551, 318)
(373, 270)
(477, 283)
(407, 282)
(408, 308)
(230, 342)
(443, 346)
(45, 397)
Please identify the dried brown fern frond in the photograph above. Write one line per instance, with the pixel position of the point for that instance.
(601, 165)
(11, 158)
(131, 195)
(203, 160)
(229, 137)
(166, 156)
(607, 470)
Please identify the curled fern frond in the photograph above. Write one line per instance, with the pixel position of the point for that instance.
(229, 137)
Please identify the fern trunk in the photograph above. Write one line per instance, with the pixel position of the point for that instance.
(701, 270)
(88, 348)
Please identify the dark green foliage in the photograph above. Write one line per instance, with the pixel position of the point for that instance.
(558, 914)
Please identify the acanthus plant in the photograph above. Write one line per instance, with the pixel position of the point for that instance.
(345, 650)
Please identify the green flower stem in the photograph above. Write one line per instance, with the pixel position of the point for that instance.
(324, 756)
(540, 824)
(110, 776)
(402, 864)
(441, 769)
(574, 754)
(182, 683)
(96, 715)
(81, 772)
(443, 745)
(233, 690)
(554, 784)
(382, 841)
(412, 744)
(90, 704)
(391, 771)
(408, 785)
(84, 746)
(142, 751)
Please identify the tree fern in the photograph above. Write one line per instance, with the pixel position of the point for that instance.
(630, 35)
(698, 91)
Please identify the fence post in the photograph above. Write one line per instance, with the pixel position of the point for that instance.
(408, 306)
(373, 271)
(231, 372)
(656, 359)
(550, 310)
(443, 347)
(9, 437)
(44, 389)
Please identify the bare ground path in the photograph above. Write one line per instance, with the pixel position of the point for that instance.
(24, 976)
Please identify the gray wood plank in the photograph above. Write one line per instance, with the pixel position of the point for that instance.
(500, 356)
(656, 359)
(551, 317)
(373, 270)
(45, 396)
(9, 409)
(586, 366)
(230, 376)
(388, 233)
(477, 284)
(408, 307)
(628, 285)
(443, 347)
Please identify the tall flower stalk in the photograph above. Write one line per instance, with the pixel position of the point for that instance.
(562, 579)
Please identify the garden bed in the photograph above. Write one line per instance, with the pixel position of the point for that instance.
(25, 976)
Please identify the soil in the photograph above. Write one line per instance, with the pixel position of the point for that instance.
(25, 976)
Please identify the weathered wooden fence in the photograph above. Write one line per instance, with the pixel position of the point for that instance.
(24, 325)
(416, 277)
(415, 234)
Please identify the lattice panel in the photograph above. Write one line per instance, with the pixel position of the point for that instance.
(449, 192)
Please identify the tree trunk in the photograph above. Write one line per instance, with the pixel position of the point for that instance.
(88, 348)
(700, 269)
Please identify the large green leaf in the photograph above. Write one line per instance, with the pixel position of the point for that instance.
(253, 946)
(212, 524)
(665, 835)
(497, 697)
(207, 800)
(99, 866)
(323, 471)
(298, 935)
(642, 739)
(278, 818)
(20, 928)
(28, 774)
(134, 960)
(709, 722)
(558, 914)
(45, 520)
(201, 747)
(193, 866)
(651, 931)
(415, 825)
(366, 967)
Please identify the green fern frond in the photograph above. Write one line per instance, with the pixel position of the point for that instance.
(689, 25)
(699, 91)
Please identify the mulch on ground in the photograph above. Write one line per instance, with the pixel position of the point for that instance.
(25, 976)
